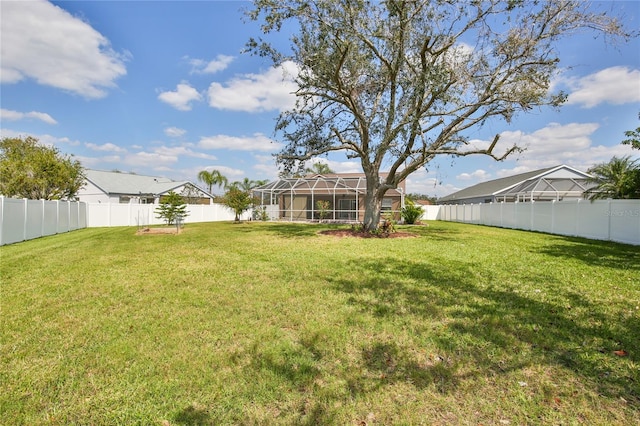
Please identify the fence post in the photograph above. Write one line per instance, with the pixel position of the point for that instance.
(609, 215)
(24, 223)
(577, 216)
(43, 217)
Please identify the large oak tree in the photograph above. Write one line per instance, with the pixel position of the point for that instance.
(397, 83)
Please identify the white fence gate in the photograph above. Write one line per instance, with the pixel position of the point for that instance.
(613, 220)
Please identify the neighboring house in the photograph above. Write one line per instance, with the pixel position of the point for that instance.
(554, 183)
(297, 198)
(125, 188)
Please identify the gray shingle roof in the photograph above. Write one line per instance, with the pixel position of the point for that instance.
(125, 183)
(492, 187)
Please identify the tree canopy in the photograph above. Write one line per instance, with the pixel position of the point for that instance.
(633, 137)
(619, 179)
(211, 178)
(397, 83)
(239, 200)
(31, 170)
(319, 169)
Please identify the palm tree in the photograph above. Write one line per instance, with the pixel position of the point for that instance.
(248, 184)
(319, 169)
(214, 177)
(619, 178)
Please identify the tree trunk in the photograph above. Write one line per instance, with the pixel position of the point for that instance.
(372, 205)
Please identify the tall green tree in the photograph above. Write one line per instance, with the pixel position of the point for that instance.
(619, 179)
(211, 178)
(247, 184)
(397, 83)
(31, 170)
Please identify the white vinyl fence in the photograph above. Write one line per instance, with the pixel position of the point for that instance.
(613, 220)
(22, 219)
(113, 214)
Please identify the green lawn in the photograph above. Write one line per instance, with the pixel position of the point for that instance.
(271, 323)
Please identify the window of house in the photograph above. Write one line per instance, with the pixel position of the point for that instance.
(387, 204)
(125, 199)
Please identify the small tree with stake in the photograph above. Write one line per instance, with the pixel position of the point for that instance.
(172, 209)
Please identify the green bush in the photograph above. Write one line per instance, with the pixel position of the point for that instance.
(411, 213)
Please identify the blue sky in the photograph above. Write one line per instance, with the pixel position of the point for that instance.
(162, 88)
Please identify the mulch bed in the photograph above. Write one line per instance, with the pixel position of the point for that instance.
(158, 231)
(358, 234)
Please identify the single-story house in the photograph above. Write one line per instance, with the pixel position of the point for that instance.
(553, 183)
(125, 188)
(297, 198)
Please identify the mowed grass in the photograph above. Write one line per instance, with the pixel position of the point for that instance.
(272, 323)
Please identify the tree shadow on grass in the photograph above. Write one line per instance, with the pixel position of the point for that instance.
(551, 326)
(292, 230)
(595, 252)
(194, 416)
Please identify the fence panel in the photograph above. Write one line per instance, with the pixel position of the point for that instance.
(592, 220)
(50, 217)
(624, 216)
(565, 218)
(63, 217)
(508, 219)
(13, 212)
(33, 219)
(542, 217)
(523, 214)
(614, 220)
(22, 219)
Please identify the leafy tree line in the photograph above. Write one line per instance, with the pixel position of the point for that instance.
(31, 170)
(394, 84)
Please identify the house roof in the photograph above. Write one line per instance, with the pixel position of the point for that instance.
(130, 184)
(505, 185)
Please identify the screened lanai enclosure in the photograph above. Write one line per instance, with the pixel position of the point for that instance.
(336, 198)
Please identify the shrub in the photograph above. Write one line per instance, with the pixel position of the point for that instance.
(411, 213)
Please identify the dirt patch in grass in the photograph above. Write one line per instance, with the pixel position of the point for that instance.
(159, 231)
(359, 234)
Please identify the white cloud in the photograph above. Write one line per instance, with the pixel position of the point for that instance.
(477, 176)
(174, 132)
(615, 85)
(44, 139)
(149, 159)
(554, 140)
(220, 63)
(272, 90)
(257, 142)
(183, 96)
(178, 151)
(424, 182)
(44, 42)
(9, 115)
(107, 147)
